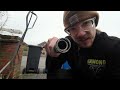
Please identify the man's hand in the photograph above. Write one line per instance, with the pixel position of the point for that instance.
(50, 47)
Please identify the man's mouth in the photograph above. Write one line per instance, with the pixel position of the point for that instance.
(83, 39)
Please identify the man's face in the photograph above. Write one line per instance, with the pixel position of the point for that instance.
(83, 32)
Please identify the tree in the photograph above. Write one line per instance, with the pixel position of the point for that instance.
(3, 20)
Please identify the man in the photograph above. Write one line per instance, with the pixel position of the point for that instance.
(93, 54)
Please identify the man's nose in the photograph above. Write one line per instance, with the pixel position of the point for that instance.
(81, 33)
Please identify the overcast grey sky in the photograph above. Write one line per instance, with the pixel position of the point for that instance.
(49, 24)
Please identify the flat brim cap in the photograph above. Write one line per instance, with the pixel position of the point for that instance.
(70, 17)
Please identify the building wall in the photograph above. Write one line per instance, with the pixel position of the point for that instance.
(8, 45)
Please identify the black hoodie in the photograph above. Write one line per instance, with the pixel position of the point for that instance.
(101, 61)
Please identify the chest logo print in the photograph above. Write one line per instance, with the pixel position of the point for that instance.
(96, 65)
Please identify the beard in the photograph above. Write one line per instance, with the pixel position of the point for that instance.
(84, 42)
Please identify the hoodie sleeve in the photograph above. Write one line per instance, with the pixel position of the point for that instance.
(115, 62)
(53, 65)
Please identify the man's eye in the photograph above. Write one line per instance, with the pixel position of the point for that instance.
(72, 28)
(87, 23)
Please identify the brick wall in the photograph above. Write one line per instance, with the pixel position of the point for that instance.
(8, 45)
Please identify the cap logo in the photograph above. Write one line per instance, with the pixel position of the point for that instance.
(73, 19)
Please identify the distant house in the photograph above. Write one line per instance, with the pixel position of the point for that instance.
(43, 53)
(42, 44)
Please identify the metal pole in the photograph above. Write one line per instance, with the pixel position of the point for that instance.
(21, 40)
